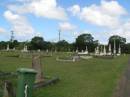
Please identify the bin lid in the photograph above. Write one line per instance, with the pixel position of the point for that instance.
(26, 70)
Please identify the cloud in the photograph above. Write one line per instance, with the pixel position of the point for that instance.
(2, 30)
(20, 25)
(107, 14)
(41, 8)
(74, 9)
(66, 26)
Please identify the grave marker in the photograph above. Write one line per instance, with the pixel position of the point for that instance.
(36, 65)
(7, 47)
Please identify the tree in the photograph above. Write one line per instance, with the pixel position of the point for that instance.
(62, 45)
(3, 45)
(119, 41)
(84, 40)
(36, 43)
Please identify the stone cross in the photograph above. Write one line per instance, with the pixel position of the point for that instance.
(36, 64)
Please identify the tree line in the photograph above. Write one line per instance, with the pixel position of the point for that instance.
(80, 44)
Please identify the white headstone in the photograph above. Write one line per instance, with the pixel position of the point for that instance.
(114, 47)
(97, 50)
(86, 51)
(39, 50)
(7, 47)
(47, 51)
(77, 50)
(101, 51)
(109, 50)
(119, 51)
(14, 48)
(104, 50)
(25, 49)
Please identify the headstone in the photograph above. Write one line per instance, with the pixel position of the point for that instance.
(97, 50)
(101, 51)
(114, 48)
(77, 50)
(104, 50)
(7, 47)
(86, 51)
(109, 50)
(8, 89)
(55, 51)
(38, 50)
(47, 51)
(14, 49)
(25, 49)
(5, 94)
(119, 51)
(36, 64)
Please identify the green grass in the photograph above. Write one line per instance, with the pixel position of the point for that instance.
(85, 78)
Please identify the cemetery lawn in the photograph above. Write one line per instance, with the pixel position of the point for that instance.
(86, 78)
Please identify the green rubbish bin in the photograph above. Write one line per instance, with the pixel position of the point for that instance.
(26, 78)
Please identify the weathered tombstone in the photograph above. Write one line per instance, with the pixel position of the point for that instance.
(8, 89)
(5, 94)
(36, 64)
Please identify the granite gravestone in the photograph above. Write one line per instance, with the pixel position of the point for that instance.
(36, 64)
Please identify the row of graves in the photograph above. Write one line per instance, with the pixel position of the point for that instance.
(25, 53)
(100, 52)
(27, 80)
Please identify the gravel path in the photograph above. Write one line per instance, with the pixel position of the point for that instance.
(123, 88)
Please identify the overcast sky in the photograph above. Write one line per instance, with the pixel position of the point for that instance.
(28, 18)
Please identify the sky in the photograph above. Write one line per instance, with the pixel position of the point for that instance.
(29, 18)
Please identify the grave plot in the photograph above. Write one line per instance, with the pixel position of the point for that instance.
(70, 58)
(84, 54)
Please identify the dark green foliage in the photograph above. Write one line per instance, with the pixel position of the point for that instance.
(84, 40)
(119, 41)
(36, 43)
